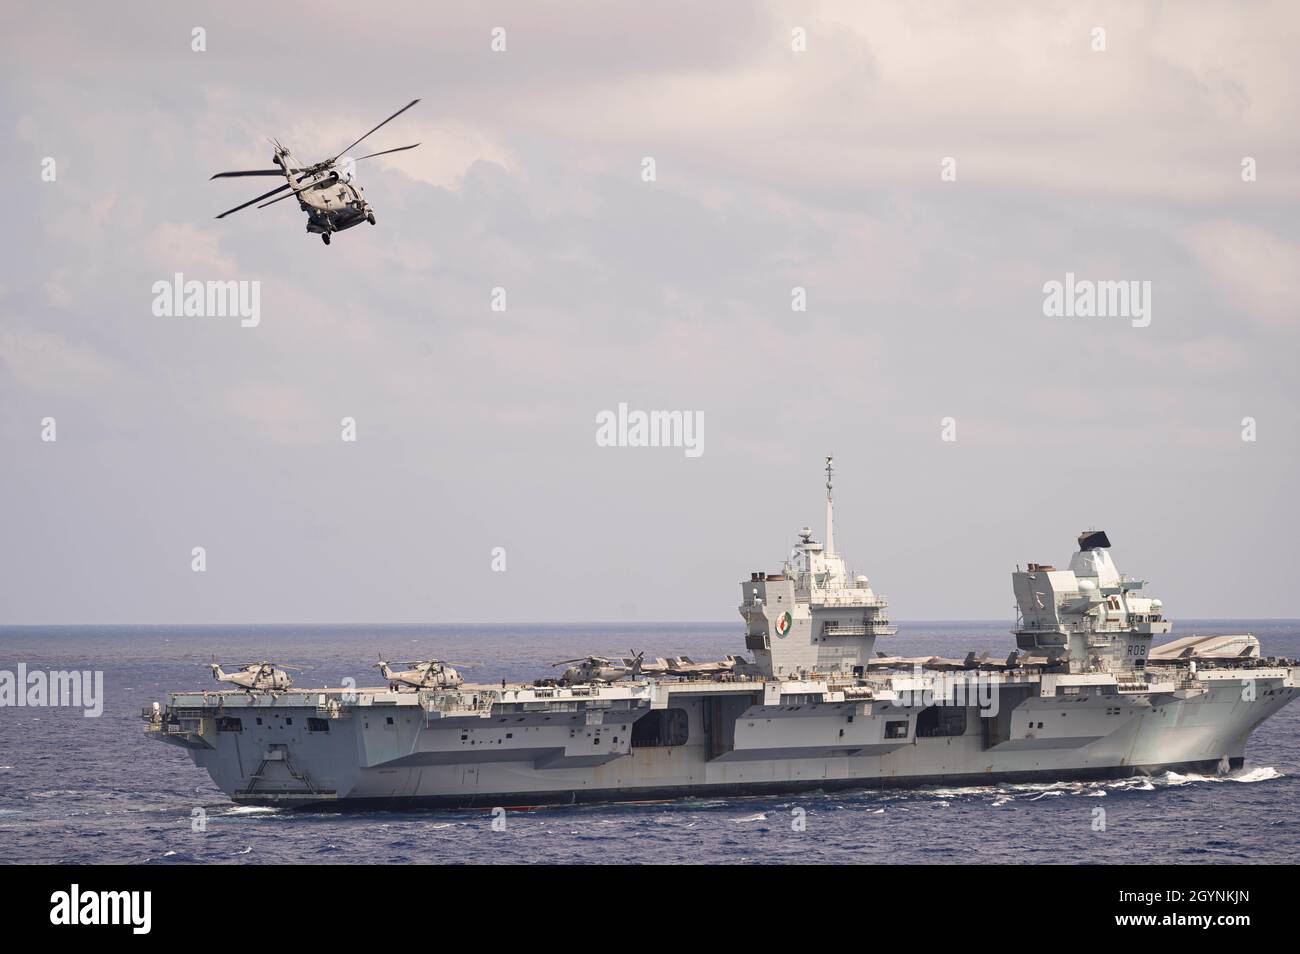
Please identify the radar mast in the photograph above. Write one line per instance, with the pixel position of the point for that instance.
(830, 509)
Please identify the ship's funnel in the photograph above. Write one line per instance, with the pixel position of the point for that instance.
(1093, 561)
(1093, 540)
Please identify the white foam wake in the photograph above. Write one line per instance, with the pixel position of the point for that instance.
(1264, 773)
(1035, 791)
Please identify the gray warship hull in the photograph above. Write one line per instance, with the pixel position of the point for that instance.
(1085, 696)
(521, 746)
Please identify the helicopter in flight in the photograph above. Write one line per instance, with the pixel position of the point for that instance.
(424, 674)
(327, 190)
(599, 669)
(259, 676)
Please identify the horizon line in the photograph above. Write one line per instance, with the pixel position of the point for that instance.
(633, 622)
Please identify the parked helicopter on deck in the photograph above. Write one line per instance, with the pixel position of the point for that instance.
(422, 674)
(258, 676)
(598, 669)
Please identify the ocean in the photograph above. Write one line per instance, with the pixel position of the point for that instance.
(79, 790)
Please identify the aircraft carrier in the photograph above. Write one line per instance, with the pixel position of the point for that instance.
(1083, 696)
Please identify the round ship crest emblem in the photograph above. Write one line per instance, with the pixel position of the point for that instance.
(783, 623)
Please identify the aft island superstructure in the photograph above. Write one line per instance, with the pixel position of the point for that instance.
(1084, 696)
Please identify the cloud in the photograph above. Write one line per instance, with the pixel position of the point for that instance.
(1254, 268)
(183, 247)
(48, 363)
(776, 169)
(280, 413)
(1216, 355)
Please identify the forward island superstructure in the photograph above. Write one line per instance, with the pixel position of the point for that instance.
(1084, 696)
(812, 617)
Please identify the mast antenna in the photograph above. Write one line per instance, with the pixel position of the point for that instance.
(830, 508)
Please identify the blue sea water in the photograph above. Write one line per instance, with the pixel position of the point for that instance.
(94, 790)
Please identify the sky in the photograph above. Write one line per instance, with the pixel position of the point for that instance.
(921, 171)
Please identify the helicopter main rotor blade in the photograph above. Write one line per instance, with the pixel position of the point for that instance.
(381, 125)
(265, 195)
(274, 201)
(324, 183)
(238, 173)
(387, 151)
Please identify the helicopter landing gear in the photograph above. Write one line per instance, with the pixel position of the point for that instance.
(325, 237)
(370, 217)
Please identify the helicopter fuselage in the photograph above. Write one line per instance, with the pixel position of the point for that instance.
(433, 674)
(332, 199)
(260, 677)
(327, 190)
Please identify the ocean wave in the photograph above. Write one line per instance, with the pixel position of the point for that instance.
(172, 858)
(1264, 773)
(69, 793)
(1006, 792)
